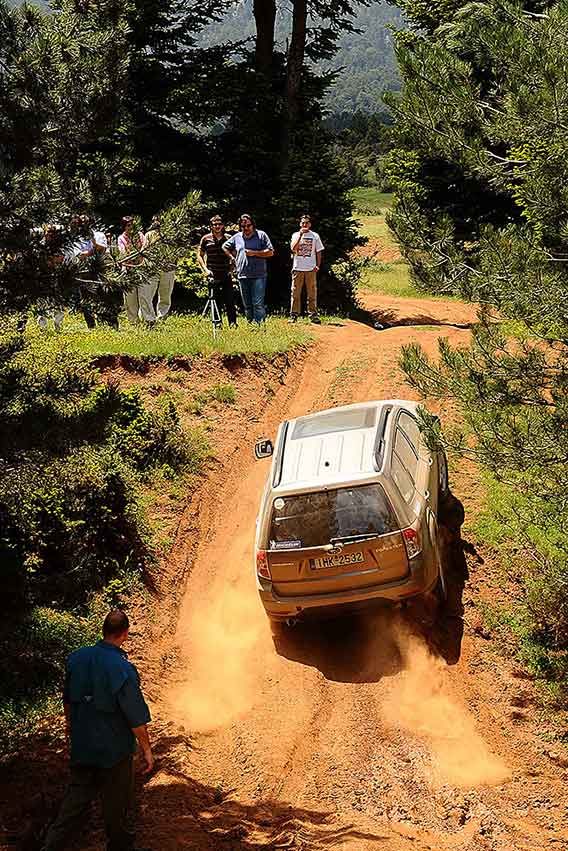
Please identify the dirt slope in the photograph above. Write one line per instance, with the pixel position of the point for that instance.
(355, 734)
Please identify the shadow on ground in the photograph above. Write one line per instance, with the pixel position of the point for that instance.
(363, 647)
(174, 811)
(393, 318)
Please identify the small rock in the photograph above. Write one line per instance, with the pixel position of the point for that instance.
(521, 673)
(517, 715)
(557, 758)
(522, 699)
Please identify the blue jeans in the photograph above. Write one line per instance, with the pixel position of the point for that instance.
(252, 294)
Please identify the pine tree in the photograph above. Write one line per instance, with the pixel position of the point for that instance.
(481, 173)
(60, 77)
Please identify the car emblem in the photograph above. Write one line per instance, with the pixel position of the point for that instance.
(336, 549)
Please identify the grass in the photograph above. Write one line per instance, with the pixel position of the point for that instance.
(393, 279)
(369, 200)
(182, 336)
(375, 227)
(224, 393)
(390, 279)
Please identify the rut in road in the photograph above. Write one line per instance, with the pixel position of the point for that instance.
(350, 734)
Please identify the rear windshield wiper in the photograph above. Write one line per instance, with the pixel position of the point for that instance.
(365, 536)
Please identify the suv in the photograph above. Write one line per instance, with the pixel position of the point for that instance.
(349, 511)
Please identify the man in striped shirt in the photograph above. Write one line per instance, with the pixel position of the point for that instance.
(217, 265)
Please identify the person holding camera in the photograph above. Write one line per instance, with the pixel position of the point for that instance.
(250, 249)
(216, 265)
(307, 249)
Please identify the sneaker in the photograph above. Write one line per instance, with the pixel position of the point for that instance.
(315, 319)
(293, 318)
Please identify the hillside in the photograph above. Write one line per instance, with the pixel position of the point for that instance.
(366, 59)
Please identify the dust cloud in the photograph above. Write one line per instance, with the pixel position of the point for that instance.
(420, 703)
(225, 643)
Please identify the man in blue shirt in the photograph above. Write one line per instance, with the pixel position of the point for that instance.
(250, 249)
(106, 715)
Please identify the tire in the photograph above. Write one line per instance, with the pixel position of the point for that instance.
(278, 627)
(443, 478)
(441, 588)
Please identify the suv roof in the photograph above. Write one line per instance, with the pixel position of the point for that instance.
(333, 446)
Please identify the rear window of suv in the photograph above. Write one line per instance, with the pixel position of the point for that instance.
(315, 519)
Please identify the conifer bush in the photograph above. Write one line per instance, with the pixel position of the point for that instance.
(480, 169)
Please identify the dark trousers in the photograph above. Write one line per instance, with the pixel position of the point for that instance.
(116, 788)
(225, 297)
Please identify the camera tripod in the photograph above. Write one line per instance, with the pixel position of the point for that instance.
(211, 310)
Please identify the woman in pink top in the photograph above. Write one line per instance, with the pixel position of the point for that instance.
(138, 300)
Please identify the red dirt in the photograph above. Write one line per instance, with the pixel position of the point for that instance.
(374, 249)
(371, 733)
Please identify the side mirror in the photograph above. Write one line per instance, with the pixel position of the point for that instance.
(263, 448)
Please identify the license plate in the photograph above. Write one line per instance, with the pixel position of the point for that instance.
(338, 560)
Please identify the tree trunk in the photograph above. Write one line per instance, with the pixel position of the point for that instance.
(296, 61)
(265, 18)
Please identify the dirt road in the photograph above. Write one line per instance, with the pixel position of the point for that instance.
(366, 733)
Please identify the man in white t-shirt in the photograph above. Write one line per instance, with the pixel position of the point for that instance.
(307, 249)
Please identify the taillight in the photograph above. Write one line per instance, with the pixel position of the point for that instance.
(262, 567)
(412, 542)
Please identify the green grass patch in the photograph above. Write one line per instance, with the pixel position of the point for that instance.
(389, 279)
(370, 201)
(182, 336)
(224, 393)
(394, 279)
(376, 228)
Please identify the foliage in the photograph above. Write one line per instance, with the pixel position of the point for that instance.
(481, 176)
(364, 61)
(187, 336)
(73, 452)
(61, 91)
(224, 393)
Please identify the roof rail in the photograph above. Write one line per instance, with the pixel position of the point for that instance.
(379, 448)
(279, 458)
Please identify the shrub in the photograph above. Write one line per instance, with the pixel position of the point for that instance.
(73, 452)
(43, 385)
(71, 524)
(530, 534)
(145, 438)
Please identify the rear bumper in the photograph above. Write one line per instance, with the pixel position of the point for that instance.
(419, 580)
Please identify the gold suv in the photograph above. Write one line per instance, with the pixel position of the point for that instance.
(349, 511)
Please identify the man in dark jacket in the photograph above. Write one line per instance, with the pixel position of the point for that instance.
(216, 266)
(106, 715)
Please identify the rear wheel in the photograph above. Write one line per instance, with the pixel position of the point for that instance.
(441, 589)
(443, 478)
(278, 627)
